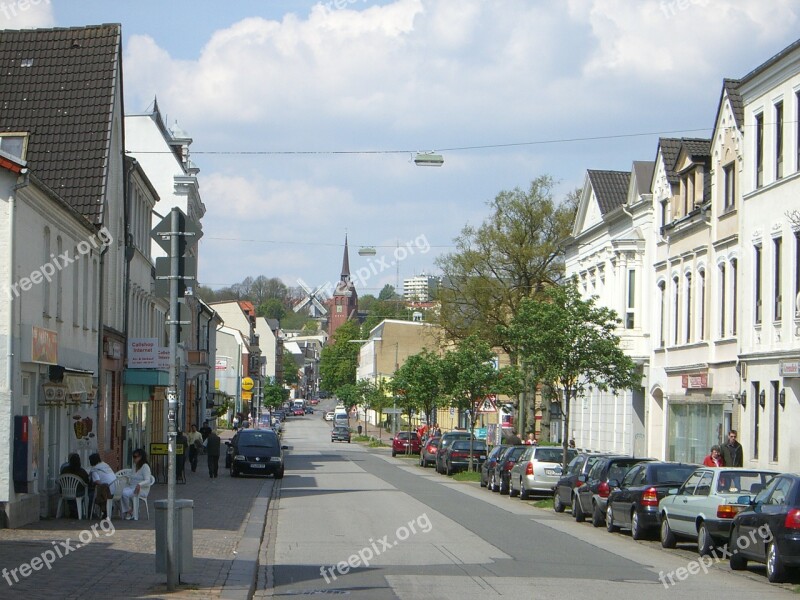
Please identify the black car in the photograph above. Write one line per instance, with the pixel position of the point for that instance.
(340, 433)
(591, 498)
(634, 505)
(564, 492)
(447, 439)
(487, 468)
(457, 455)
(256, 452)
(502, 470)
(768, 531)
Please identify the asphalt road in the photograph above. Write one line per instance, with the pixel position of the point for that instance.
(410, 533)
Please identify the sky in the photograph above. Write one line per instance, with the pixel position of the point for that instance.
(306, 115)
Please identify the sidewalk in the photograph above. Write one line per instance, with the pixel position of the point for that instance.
(118, 561)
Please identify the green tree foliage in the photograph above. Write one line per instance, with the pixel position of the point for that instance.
(388, 293)
(290, 368)
(272, 308)
(339, 358)
(517, 252)
(571, 343)
(418, 383)
(469, 376)
(275, 395)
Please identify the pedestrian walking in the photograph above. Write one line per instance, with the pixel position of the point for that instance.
(212, 451)
(195, 440)
(732, 452)
(182, 442)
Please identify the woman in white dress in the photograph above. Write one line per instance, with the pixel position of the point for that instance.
(140, 477)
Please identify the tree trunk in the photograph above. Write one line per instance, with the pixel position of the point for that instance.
(565, 441)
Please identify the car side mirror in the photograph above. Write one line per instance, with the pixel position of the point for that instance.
(284, 447)
(613, 483)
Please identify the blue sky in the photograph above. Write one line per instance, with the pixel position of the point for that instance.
(285, 76)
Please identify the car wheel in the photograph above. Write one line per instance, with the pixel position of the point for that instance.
(279, 474)
(394, 453)
(705, 543)
(577, 511)
(637, 531)
(234, 473)
(503, 486)
(483, 481)
(597, 516)
(558, 506)
(610, 527)
(776, 571)
(493, 484)
(512, 493)
(668, 539)
(523, 493)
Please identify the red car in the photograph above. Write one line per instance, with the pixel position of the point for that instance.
(313, 402)
(405, 440)
(298, 412)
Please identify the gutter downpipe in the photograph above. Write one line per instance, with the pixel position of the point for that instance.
(11, 230)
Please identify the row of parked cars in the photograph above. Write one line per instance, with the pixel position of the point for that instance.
(741, 513)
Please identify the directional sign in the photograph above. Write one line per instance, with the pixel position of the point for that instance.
(188, 230)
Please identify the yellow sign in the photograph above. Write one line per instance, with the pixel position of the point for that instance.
(162, 449)
(247, 395)
(248, 384)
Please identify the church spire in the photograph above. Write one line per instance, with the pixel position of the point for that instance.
(345, 262)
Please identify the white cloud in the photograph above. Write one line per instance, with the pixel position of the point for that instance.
(26, 14)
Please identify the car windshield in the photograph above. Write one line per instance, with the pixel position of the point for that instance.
(670, 474)
(554, 455)
(258, 440)
(746, 482)
(406, 435)
(464, 445)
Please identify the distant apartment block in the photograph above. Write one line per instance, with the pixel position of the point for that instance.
(420, 288)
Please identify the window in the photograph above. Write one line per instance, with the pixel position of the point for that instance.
(777, 307)
(76, 293)
(688, 310)
(85, 300)
(688, 193)
(630, 318)
(759, 150)
(756, 417)
(704, 487)
(779, 140)
(46, 283)
(757, 284)
(722, 301)
(675, 309)
(14, 144)
(734, 295)
(691, 483)
(59, 280)
(776, 411)
(664, 212)
(729, 185)
(701, 292)
(662, 300)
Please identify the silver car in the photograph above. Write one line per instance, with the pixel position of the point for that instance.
(538, 470)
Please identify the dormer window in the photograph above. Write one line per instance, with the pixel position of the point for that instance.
(14, 144)
(687, 186)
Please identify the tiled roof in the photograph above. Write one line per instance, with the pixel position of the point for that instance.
(697, 148)
(610, 187)
(731, 88)
(670, 147)
(58, 85)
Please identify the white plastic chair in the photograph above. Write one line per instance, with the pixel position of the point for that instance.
(144, 492)
(124, 473)
(119, 485)
(69, 491)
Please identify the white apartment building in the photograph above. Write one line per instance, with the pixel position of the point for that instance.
(420, 288)
(608, 255)
(769, 319)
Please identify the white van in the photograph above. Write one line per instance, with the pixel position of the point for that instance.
(340, 417)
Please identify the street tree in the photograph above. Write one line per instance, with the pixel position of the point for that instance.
(420, 379)
(470, 376)
(387, 293)
(516, 253)
(274, 395)
(571, 343)
(337, 365)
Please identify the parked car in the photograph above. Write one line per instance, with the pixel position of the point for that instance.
(313, 401)
(564, 491)
(487, 468)
(256, 452)
(502, 470)
(309, 410)
(634, 505)
(537, 470)
(447, 439)
(768, 530)
(591, 498)
(340, 434)
(703, 508)
(405, 442)
(427, 453)
(298, 411)
(328, 416)
(456, 455)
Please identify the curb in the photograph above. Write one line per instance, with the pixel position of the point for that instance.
(241, 580)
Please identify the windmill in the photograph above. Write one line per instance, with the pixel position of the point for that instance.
(315, 308)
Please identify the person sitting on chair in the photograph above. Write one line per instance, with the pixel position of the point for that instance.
(73, 467)
(141, 476)
(104, 480)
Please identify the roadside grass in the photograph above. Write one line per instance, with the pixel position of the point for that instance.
(543, 503)
(361, 438)
(467, 476)
(373, 443)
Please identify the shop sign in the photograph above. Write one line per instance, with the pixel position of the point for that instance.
(790, 368)
(695, 381)
(44, 346)
(142, 353)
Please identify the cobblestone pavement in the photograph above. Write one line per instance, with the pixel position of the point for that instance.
(118, 561)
